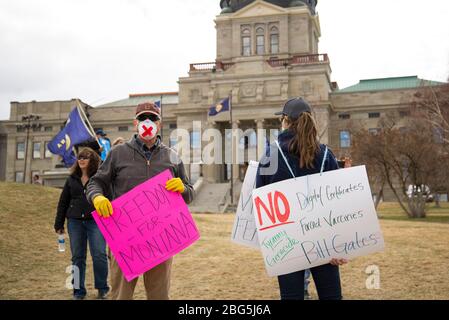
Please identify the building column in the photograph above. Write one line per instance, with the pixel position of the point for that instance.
(235, 145)
(261, 137)
(211, 172)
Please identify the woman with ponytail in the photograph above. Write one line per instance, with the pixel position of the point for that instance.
(305, 155)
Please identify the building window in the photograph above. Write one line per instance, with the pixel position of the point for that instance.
(345, 139)
(48, 129)
(246, 42)
(260, 41)
(373, 115)
(438, 135)
(173, 142)
(47, 152)
(20, 153)
(374, 131)
(36, 128)
(36, 150)
(123, 129)
(19, 177)
(20, 129)
(260, 45)
(173, 126)
(195, 140)
(404, 114)
(274, 40)
(403, 130)
(344, 116)
(36, 174)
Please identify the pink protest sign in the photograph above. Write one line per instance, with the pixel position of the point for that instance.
(149, 226)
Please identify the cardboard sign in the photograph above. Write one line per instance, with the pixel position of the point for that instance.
(245, 229)
(306, 222)
(149, 225)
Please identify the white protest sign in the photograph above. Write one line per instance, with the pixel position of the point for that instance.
(305, 222)
(245, 229)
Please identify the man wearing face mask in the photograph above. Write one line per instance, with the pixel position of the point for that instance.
(127, 166)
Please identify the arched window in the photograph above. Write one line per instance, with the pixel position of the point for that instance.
(260, 41)
(246, 42)
(274, 40)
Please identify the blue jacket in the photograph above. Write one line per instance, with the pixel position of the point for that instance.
(283, 172)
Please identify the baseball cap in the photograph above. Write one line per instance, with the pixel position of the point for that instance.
(147, 107)
(294, 108)
(100, 132)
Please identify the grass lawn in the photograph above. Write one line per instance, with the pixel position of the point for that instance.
(413, 266)
(392, 211)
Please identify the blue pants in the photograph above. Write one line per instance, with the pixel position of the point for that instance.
(307, 275)
(326, 278)
(81, 232)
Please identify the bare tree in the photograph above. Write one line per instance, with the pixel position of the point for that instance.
(434, 101)
(400, 157)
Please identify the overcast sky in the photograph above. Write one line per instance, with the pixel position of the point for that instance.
(102, 50)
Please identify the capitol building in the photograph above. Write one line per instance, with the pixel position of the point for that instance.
(267, 53)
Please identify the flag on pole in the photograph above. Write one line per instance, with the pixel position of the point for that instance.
(158, 104)
(74, 132)
(223, 106)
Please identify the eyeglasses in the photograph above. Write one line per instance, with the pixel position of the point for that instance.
(83, 158)
(149, 116)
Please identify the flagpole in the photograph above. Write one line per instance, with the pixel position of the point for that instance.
(162, 125)
(232, 149)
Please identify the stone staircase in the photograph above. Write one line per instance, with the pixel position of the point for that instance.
(210, 198)
(214, 198)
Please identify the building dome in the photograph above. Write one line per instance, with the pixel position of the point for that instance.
(229, 6)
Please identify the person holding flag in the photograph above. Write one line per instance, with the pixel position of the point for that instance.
(74, 132)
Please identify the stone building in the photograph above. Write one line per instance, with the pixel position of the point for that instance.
(267, 52)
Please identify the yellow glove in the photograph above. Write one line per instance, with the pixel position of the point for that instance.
(103, 206)
(175, 185)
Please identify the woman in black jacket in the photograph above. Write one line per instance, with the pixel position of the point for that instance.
(304, 155)
(81, 226)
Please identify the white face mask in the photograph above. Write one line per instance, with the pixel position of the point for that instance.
(147, 129)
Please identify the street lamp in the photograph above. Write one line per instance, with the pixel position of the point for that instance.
(29, 122)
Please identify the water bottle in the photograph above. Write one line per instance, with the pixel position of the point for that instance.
(61, 243)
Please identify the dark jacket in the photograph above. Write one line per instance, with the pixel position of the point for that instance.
(283, 173)
(73, 203)
(126, 167)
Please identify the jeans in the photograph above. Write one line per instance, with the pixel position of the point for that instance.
(307, 275)
(326, 278)
(81, 232)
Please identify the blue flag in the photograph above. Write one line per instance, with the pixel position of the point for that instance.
(74, 132)
(220, 107)
(158, 104)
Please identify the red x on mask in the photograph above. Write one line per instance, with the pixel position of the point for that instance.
(147, 129)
